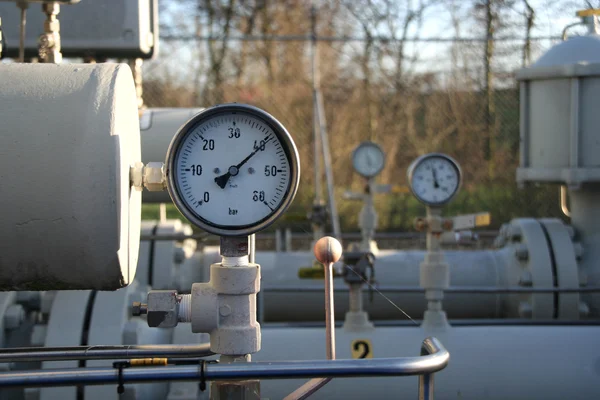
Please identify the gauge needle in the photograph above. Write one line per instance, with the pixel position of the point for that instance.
(235, 169)
(435, 181)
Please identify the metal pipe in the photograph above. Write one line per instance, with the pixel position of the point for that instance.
(563, 201)
(23, 6)
(304, 236)
(335, 219)
(456, 289)
(426, 380)
(308, 389)
(355, 297)
(312, 386)
(260, 305)
(404, 366)
(252, 248)
(563, 36)
(315, 83)
(22, 354)
(329, 313)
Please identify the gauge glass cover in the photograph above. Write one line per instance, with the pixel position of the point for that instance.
(232, 169)
(368, 159)
(434, 178)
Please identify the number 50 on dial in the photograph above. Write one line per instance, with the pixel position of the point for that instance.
(232, 169)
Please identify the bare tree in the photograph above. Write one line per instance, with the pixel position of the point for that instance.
(219, 19)
(530, 21)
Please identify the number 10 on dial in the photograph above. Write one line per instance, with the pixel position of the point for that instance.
(232, 170)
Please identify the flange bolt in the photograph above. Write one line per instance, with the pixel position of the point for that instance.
(521, 252)
(138, 309)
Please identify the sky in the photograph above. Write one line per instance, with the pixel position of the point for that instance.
(551, 18)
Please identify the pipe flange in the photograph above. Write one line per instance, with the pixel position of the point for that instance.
(565, 265)
(531, 266)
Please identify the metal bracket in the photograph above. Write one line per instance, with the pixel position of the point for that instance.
(2, 42)
(151, 176)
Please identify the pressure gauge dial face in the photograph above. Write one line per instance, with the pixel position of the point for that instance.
(434, 178)
(368, 159)
(232, 170)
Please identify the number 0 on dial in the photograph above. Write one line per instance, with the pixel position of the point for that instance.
(232, 169)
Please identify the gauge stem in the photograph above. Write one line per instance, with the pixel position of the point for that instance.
(234, 246)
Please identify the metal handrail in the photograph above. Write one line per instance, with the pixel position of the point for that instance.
(21, 354)
(435, 357)
(303, 235)
(428, 347)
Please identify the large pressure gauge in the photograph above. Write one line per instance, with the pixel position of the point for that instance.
(434, 178)
(232, 170)
(368, 159)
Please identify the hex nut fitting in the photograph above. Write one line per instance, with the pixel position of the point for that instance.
(51, 8)
(447, 224)
(521, 252)
(14, 316)
(526, 279)
(139, 308)
(584, 309)
(421, 224)
(514, 232)
(154, 176)
(525, 310)
(578, 249)
(136, 176)
(179, 255)
(163, 308)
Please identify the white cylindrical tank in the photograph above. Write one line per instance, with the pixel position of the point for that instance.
(68, 136)
(157, 128)
(559, 117)
(560, 140)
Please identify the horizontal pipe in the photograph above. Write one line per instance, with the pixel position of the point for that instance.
(404, 366)
(453, 322)
(455, 289)
(22, 354)
(302, 235)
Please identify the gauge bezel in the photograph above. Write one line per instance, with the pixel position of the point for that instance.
(289, 148)
(413, 166)
(355, 155)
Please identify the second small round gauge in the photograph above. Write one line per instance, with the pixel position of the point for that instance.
(434, 178)
(368, 159)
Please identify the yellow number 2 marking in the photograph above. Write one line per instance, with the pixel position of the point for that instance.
(361, 348)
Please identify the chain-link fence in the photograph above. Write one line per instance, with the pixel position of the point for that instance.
(446, 95)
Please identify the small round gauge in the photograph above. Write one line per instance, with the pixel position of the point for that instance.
(434, 178)
(232, 169)
(368, 159)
